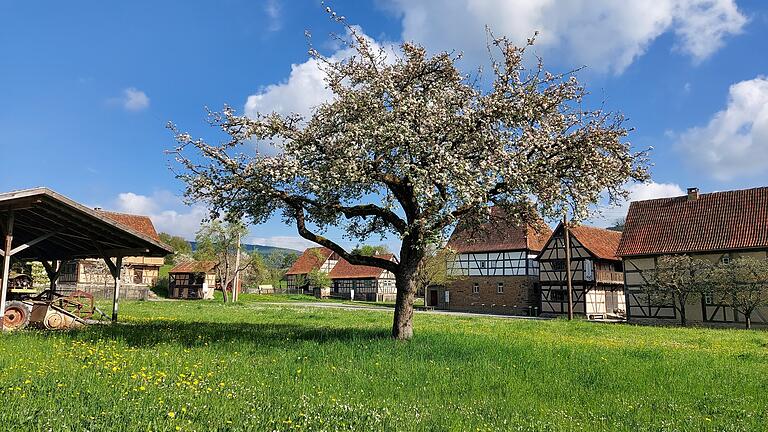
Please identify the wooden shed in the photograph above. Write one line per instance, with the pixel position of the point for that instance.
(192, 280)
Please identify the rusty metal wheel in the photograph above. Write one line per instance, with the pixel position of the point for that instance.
(79, 304)
(54, 321)
(16, 315)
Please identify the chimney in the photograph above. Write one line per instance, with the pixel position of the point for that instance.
(693, 194)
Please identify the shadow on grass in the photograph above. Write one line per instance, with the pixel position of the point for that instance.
(197, 334)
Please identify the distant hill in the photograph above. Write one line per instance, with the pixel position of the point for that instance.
(264, 250)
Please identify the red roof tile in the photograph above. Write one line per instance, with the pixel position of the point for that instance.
(344, 270)
(311, 259)
(139, 223)
(194, 267)
(499, 235)
(603, 243)
(713, 222)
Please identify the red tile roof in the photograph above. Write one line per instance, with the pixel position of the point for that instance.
(311, 259)
(601, 242)
(139, 223)
(499, 235)
(714, 222)
(194, 267)
(344, 270)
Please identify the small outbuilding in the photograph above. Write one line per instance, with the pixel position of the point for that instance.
(42, 225)
(192, 280)
(360, 282)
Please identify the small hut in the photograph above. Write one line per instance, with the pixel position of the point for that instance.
(192, 280)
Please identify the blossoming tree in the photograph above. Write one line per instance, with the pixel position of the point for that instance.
(408, 145)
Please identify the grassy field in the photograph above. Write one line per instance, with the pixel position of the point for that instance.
(207, 366)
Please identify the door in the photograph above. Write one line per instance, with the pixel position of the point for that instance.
(432, 298)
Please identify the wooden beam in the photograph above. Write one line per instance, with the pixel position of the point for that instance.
(568, 275)
(43, 237)
(21, 204)
(116, 291)
(125, 252)
(6, 267)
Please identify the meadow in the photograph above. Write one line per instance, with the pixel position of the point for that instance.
(198, 366)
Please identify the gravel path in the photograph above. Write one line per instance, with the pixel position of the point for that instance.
(390, 309)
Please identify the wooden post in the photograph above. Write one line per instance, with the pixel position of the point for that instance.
(116, 274)
(236, 280)
(6, 268)
(568, 276)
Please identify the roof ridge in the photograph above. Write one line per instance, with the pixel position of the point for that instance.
(701, 195)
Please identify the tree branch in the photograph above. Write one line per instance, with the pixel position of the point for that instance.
(323, 241)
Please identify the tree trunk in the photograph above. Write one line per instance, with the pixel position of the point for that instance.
(406, 284)
(402, 328)
(683, 319)
(748, 319)
(224, 291)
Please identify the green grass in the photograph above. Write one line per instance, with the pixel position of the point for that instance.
(201, 366)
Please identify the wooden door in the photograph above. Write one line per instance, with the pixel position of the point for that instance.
(432, 298)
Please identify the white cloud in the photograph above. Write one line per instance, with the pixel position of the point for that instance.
(303, 90)
(167, 211)
(637, 192)
(606, 35)
(735, 141)
(134, 99)
(274, 13)
(290, 242)
(305, 87)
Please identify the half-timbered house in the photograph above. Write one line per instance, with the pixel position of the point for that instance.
(495, 268)
(192, 280)
(717, 226)
(596, 273)
(136, 271)
(316, 258)
(363, 282)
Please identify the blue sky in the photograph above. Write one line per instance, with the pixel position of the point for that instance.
(86, 87)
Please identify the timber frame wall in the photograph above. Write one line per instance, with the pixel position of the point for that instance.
(701, 309)
(590, 277)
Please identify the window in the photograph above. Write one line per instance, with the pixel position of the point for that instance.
(138, 276)
(475, 288)
(708, 299)
(725, 260)
(557, 296)
(558, 265)
(500, 288)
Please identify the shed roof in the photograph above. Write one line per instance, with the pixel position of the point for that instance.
(54, 227)
(716, 221)
(344, 270)
(499, 235)
(311, 259)
(194, 267)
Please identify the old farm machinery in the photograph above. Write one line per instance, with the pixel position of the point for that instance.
(48, 309)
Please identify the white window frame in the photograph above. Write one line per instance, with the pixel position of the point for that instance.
(475, 288)
(500, 288)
